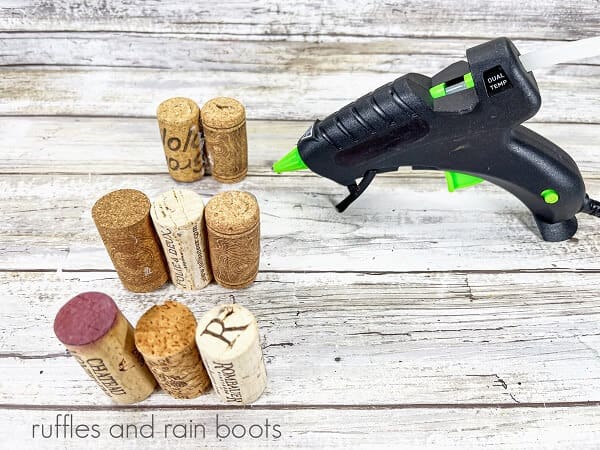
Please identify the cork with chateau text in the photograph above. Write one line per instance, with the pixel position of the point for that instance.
(101, 340)
(228, 340)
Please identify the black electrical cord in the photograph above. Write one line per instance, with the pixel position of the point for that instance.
(591, 206)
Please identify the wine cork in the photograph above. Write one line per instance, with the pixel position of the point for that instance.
(123, 221)
(165, 336)
(224, 125)
(228, 341)
(101, 339)
(233, 228)
(179, 123)
(178, 217)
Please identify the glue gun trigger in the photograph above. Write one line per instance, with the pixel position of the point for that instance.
(356, 190)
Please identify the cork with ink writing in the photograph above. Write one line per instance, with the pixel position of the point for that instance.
(179, 124)
(224, 125)
(123, 221)
(178, 217)
(101, 339)
(229, 343)
(233, 228)
(165, 336)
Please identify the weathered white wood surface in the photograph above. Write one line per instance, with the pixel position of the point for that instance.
(99, 74)
(398, 225)
(475, 337)
(284, 60)
(290, 94)
(416, 318)
(387, 427)
(128, 145)
(371, 18)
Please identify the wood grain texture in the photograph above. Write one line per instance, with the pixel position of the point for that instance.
(273, 95)
(552, 427)
(397, 225)
(525, 18)
(418, 317)
(44, 145)
(344, 338)
(307, 54)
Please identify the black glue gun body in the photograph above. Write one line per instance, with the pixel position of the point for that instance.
(466, 120)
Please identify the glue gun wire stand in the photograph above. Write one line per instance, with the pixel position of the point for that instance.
(466, 121)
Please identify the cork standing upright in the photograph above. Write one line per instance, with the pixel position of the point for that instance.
(178, 217)
(179, 123)
(224, 125)
(165, 336)
(228, 341)
(123, 221)
(233, 226)
(101, 339)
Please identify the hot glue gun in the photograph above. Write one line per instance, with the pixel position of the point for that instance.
(466, 121)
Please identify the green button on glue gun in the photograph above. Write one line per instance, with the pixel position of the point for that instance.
(466, 121)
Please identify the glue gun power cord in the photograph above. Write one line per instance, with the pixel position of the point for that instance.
(591, 206)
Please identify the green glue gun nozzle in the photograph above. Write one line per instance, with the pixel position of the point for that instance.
(290, 162)
(457, 180)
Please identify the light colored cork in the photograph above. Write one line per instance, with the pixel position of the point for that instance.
(233, 228)
(123, 221)
(181, 134)
(178, 217)
(224, 125)
(229, 343)
(101, 339)
(164, 335)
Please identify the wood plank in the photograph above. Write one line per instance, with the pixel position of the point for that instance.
(267, 95)
(412, 225)
(128, 145)
(426, 18)
(338, 338)
(264, 53)
(554, 427)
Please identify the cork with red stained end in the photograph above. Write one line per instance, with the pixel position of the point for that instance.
(224, 125)
(233, 229)
(123, 221)
(101, 339)
(165, 336)
(180, 130)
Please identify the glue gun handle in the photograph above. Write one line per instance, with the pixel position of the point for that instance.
(528, 165)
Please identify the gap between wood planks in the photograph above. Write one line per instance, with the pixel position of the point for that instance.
(358, 272)
(315, 406)
(292, 120)
(274, 36)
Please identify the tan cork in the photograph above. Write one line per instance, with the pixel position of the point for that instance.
(165, 335)
(224, 125)
(229, 343)
(233, 226)
(179, 124)
(101, 339)
(123, 221)
(178, 217)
